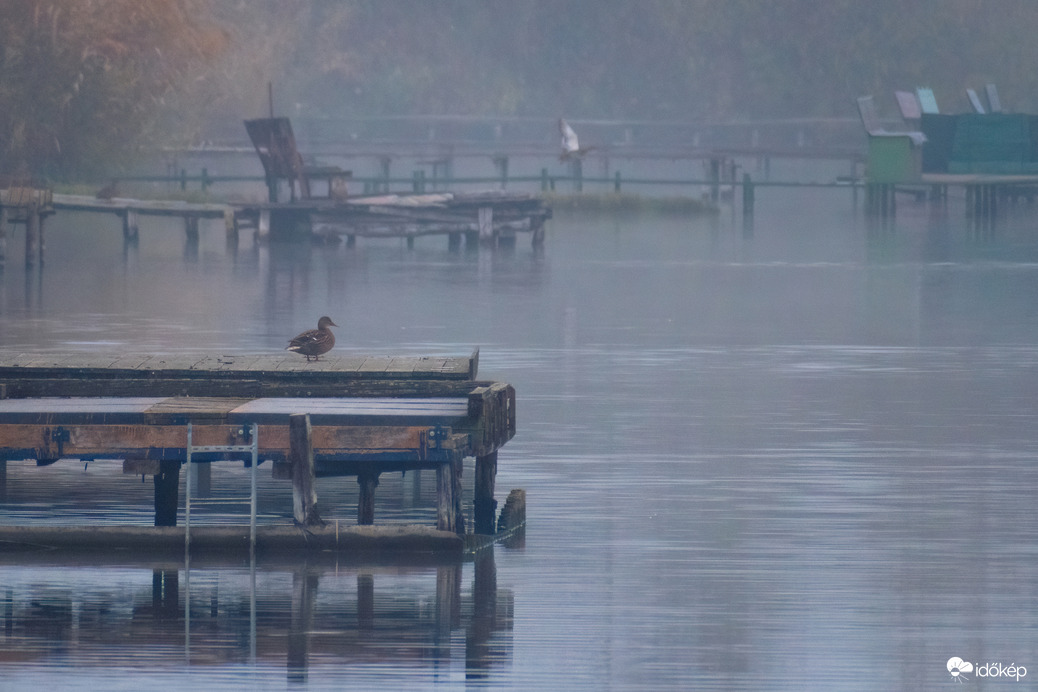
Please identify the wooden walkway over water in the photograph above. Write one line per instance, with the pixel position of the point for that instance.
(341, 416)
(487, 218)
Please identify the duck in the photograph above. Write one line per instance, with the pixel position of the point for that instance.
(314, 342)
(109, 191)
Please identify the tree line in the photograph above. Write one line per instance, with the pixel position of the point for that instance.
(84, 85)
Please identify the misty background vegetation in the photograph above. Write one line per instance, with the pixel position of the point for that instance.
(86, 84)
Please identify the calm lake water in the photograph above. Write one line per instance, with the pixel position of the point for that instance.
(802, 458)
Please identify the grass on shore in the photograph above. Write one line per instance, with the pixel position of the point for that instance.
(622, 202)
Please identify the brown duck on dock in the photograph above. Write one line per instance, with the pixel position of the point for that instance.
(109, 191)
(314, 342)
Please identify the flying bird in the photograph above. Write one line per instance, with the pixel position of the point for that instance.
(570, 145)
(314, 342)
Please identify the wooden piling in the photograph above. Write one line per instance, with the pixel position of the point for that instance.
(486, 225)
(230, 227)
(368, 481)
(445, 486)
(167, 492)
(32, 234)
(3, 233)
(484, 504)
(304, 482)
(131, 228)
(513, 514)
(747, 195)
(191, 228)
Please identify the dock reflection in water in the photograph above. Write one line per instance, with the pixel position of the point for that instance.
(93, 615)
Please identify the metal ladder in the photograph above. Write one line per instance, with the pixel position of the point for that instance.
(253, 447)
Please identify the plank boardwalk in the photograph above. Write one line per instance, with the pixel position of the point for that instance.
(343, 415)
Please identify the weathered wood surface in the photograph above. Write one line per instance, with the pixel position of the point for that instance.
(301, 458)
(412, 446)
(419, 214)
(35, 375)
(121, 206)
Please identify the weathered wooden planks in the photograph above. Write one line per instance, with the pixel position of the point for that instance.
(403, 413)
(280, 368)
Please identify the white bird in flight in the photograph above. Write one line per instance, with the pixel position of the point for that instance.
(570, 145)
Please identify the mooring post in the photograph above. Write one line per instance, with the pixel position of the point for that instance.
(167, 492)
(445, 485)
(230, 227)
(301, 458)
(747, 195)
(191, 228)
(32, 234)
(715, 180)
(483, 497)
(384, 163)
(3, 233)
(577, 168)
(485, 220)
(367, 481)
(130, 226)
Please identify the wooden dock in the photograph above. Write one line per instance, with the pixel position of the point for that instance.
(128, 210)
(341, 416)
(485, 218)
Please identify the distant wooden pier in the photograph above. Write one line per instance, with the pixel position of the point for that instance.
(356, 416)
(487, 218)
(128, 210)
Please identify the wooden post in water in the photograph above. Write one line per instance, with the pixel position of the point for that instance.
(485, 218)
(483, 499)
(445, 486)
(367, 481)
(131, 229)
(32, 234)
(230, 227)
(304, 483)
(191, 228)
(715, 180)
(167, 492)
(747, 196)
(501, 163)
(577, 168)
(3, 233)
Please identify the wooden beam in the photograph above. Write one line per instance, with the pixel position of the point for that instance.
(368, 481)
(446, 517)
(167, 489)
(484, 504)
(304, 483)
